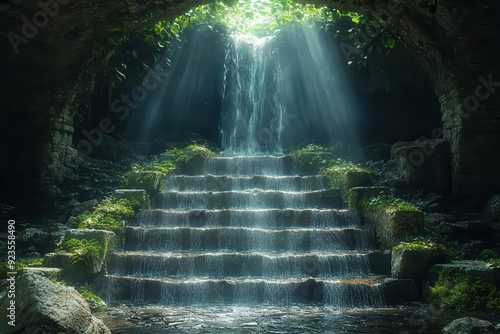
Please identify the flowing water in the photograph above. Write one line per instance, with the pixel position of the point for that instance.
(247, 244)
(252, 115)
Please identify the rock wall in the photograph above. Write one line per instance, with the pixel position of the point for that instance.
(52, 51)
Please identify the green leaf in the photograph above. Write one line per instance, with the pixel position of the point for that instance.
(389, 42)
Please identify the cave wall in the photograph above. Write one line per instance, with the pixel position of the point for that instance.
(52, 50)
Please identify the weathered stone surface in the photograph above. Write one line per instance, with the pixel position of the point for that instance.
(51, 273)
(414, 263)
(357, 194)
(353, 179)
(45, 307)
(469, 325)
(139, 195)
(152, 182)
(423, 163)
(492, 210)
(399, 291)
(81, 271)
(471, 269)
(380, 262)
(393, 226)
(42, 239)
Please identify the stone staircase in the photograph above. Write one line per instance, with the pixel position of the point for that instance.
(249, 231)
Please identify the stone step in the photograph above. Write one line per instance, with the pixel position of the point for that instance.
(270, 218)
(249, 165)
(342, 293)
(238, 264)
(237, 182)
(192, 200)
(249, 239)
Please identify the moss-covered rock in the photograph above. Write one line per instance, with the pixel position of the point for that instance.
(139, 195)
(413, 260)
(394, 225)
(82, 254)
(51, 273)
(357, 194)
(151, 181)
(469, 325)
(465, 285)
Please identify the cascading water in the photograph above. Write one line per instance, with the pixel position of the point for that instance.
(252, 115)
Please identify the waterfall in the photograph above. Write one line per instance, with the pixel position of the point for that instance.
(252, 115)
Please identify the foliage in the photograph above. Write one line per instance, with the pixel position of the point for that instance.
(319, 158)
(110, 215)
(335, 170)
(387, 202)
(466, 293)
(181, 157)
(421, 243)
(311, 155)
(81, 250)
(95, 302)
(490, 256)
(19, 265)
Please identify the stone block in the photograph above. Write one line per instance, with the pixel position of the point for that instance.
(353, 179)
(140, 195)
(357, 194)
(150, 181)
(414, 263)
(393, 226)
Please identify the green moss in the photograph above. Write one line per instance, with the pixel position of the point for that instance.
(95, 302)
(335, 169)
(490, 256)
(311, 156)
(387, 202)
(319, 158)
(81, 250)
(421, 243)
(181, 157)
(110, 215)
(19, 265)
(466, 293)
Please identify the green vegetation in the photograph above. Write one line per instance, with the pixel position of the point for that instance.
(336, 169)
(490, 256)
(320, 158)
(19, 265)
(180, 157)
(466, 293)
(421, 243)
(81, 250)
(387, 202)
(95, 302)
(110, 215)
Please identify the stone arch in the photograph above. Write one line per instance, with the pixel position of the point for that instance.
(53, 49)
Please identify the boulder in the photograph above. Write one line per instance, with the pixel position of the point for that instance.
(492, 210)
(42, 306)
(469, 325)
(51, 273)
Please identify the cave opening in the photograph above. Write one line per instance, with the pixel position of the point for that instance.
(324, 93)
